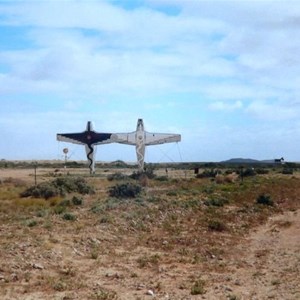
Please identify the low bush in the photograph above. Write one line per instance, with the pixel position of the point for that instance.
(59, 209)
(125, 190)
(216, 202)
(43, 190)
(262, 171)
(73, 184)
(287, 171)
(208, 173)
(69, 217)
(58, 187)
(77, 201)
(265, 200)
(149, 173)
(248, 172)
(31, 223)
(216, 225)
(116, 176)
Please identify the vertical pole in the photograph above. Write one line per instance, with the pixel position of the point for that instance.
(35, 166)
(242, 174)
(65, 167)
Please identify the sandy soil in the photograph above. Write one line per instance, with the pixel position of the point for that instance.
(266, 265)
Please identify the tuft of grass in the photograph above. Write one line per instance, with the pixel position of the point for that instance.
(31, 223)
(94, 253)
(219, 202)
(106, 219)
(145, 261)
(36, 202)
(198, 287)
(103, 294)
(172, 193)
(58, 210)
(59, 286)
(275, 282)
(41, 213)
(216, 225)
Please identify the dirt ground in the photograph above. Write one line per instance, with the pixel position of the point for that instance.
(266, 264)
(88, 259)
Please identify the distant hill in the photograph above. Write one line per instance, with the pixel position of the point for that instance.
(241, 161)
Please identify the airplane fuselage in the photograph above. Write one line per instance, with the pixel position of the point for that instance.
(140, 139)
(89, 138)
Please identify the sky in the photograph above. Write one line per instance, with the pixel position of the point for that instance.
(223, 74)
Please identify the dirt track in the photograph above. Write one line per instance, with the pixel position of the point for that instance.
(267, 264)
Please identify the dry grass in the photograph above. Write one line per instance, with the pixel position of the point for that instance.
(120, 248)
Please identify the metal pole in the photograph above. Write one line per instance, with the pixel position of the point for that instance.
(35, 167)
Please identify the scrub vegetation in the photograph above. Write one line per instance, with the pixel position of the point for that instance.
(117, 235)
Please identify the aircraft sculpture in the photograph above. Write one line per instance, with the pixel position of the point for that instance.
(89, 138)
(141, 138)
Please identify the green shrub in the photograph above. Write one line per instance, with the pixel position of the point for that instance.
(77, 201)
(31, 223)
(216, 202)
(59, 209)
(41, 213)
(172, 193)
(126, 190)
(265, 200)
(149, 173)
(208, 173)
(43, 190)
(69, 217)
(262, 171)
(58, 187)
(73, 184)
(216, 225)
(287, 171)
(116, 176)
(248, 172)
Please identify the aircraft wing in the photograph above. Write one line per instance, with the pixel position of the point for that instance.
(84, 138)
(161, 138)
(124, 138)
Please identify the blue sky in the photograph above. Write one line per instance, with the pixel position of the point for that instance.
(223, 74)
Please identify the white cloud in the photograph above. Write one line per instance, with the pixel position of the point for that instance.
(273, 111)
(65, 14)
(225, 106)
(103, 49)
(226, 55)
